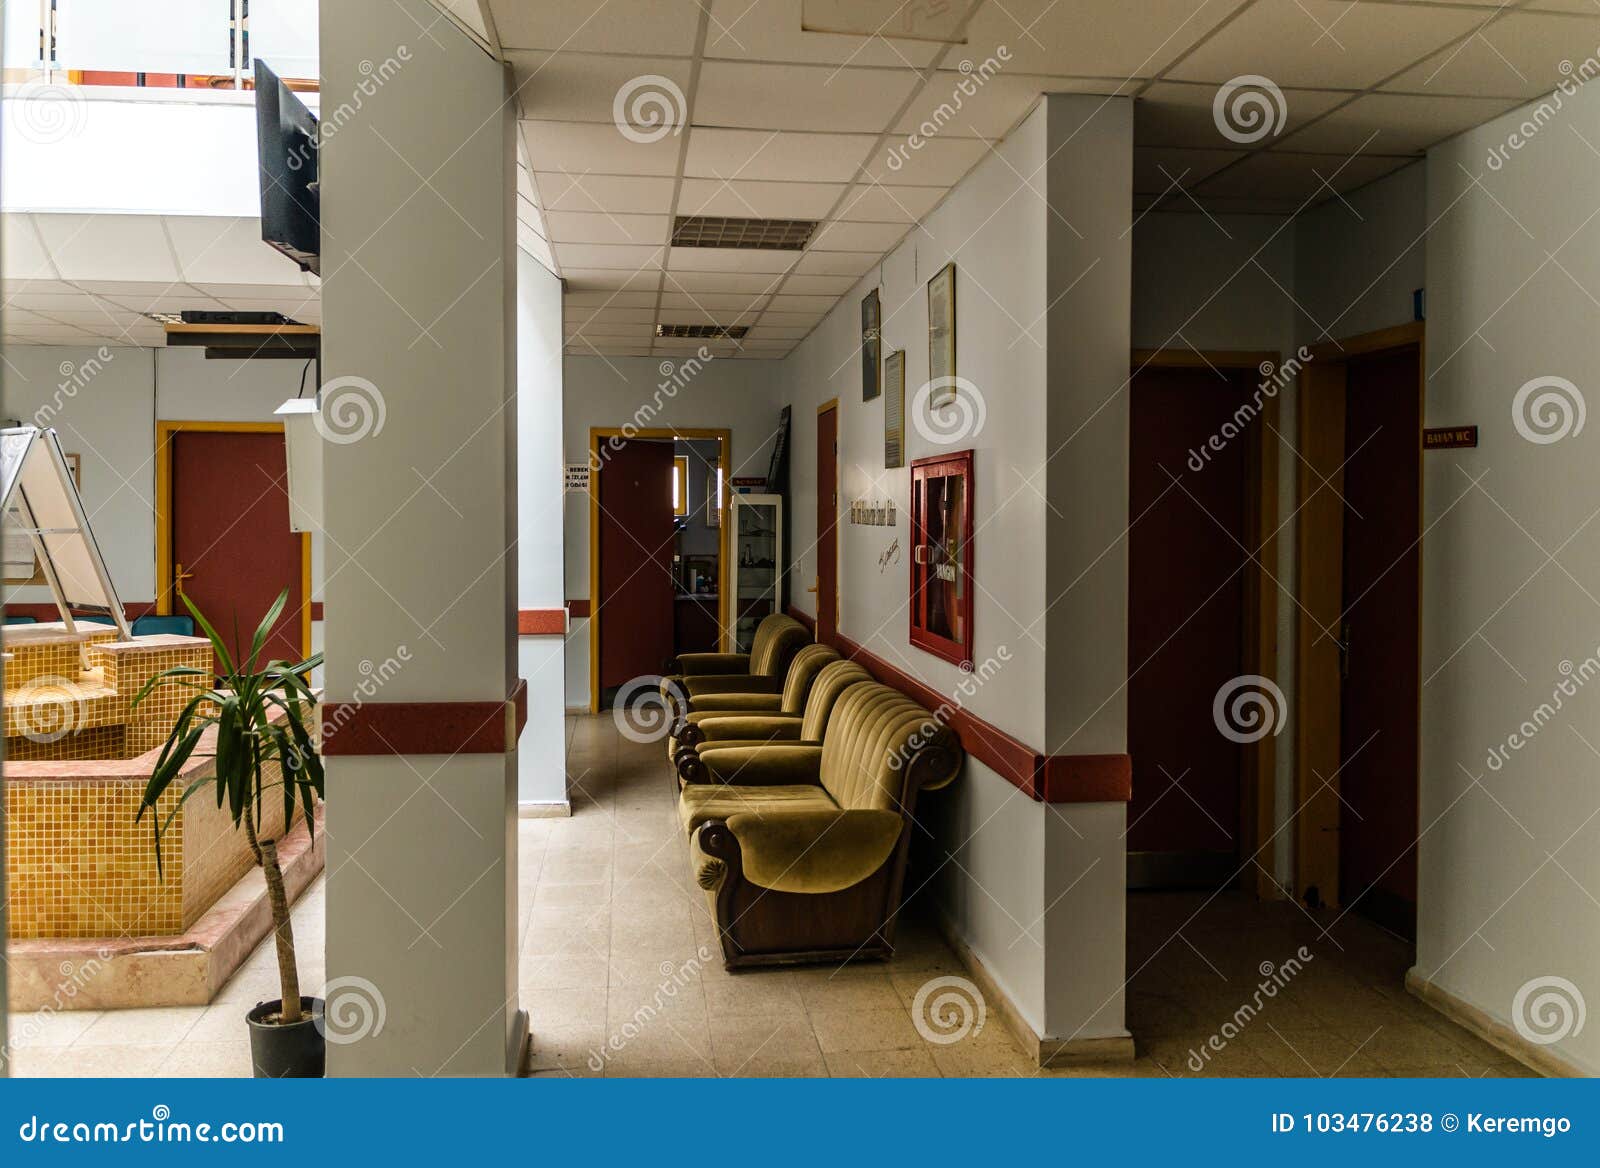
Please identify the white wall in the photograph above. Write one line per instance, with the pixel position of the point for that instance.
(541, 757)
(719, 393)
(1510, 858)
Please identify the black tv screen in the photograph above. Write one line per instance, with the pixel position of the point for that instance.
(286, 140)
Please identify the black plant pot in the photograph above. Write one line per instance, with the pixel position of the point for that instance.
(288, 1052)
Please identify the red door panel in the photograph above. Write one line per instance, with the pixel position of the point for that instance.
(1186, 590)
(827, 525)
(231, 537)
(636, 538)
(1379, 709)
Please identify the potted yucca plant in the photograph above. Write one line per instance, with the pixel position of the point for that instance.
(262, 713)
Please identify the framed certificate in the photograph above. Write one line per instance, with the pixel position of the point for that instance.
(942, 335)
(894, 410)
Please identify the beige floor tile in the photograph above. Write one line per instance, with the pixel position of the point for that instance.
(737, 1043)
(663, 1068)
(857, 1030)
(48, 1029)
(761, 993)
(557, 971)
(161, 1026)
(982, 1061)
(574, 1046)
(207, 1060)
(565, 1009)
(847, 988)
(110, 1061)
(882, 1064)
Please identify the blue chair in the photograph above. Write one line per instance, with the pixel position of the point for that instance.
(146, 626)
(22, 620)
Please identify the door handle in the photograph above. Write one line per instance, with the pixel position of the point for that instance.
(817, 587)
(178, 577)
(1344, 651)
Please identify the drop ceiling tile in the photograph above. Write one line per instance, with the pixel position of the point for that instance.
(874, 203)
(21, 250)
(730, 259)
(1280, 174)
(1172, 113)
(619, 26)
(610, 314)
(1089, 38)
(802, 285)
(16, 287)
(598, 280)
(772, 30)
(1159, 169)
(772, 155)
(714, 301)
(724, 317)
(67, 297)
(879, 237)
(228, 251)
(774, 332)
(594, 227)
(965, 105)
(539, 248)
(582, 147)
(799, 305)
(585, 349)
(296, 294)
(635, 332)
(108, 247)
(160, 298)
(92, 318)
(18, 318)
(694, 283)
(50, 334)
(647, 92)
(760, 200)
(1393, 123)
(525, 184)
(618, 194)
(1326, 44)
(805, 320)
(800, 97)
(575, 300)
(629, 257)
(299, 309)
(1519, 55)
(935, 162)
(838, 263)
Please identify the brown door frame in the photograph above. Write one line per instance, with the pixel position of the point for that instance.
(1259, 650)
(1319, 575)
(165, 432)
(816, 589)
(598, 434)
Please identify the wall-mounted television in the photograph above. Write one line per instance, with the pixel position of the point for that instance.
(286, 141)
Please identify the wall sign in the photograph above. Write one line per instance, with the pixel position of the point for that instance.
(871, 345)
(577, 478)
(1449, 437)
(942, 335)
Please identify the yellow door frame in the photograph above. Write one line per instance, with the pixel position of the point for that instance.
(165, 430)
(597, 434)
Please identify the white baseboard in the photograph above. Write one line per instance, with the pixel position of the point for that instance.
(555, 809)
(1496, 1033)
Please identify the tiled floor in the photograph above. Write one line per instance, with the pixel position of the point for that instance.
(621, 976)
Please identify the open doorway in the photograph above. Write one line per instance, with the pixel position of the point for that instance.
(657, 545)
(1359, 690)
(1201, 646)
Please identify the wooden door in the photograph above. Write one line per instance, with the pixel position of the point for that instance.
(232, 550)
(828, 524)
(1187, 572)
(1379, 634)
(636, 538)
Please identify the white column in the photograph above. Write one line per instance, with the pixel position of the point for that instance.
(417, 171)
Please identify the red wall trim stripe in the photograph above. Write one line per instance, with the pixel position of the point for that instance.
(541, 622)
(386, 728)
(1060, 778)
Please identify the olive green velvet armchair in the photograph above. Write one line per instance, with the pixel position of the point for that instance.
(804, 667)
(802, 848)
(762, 670)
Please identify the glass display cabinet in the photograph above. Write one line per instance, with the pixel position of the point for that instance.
(941, 557)
(755, 553)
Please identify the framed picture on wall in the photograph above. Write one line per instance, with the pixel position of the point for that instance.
(894, 410)
(871, 345)
(942, 335)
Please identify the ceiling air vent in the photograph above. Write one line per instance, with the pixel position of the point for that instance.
(752, 234)
(717, 332)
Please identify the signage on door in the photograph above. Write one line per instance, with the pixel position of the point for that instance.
(1449, 437)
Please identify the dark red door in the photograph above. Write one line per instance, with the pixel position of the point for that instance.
(636, 537)
(1382, 682)
(828, 524)
(1186, 592)
(232, 550)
